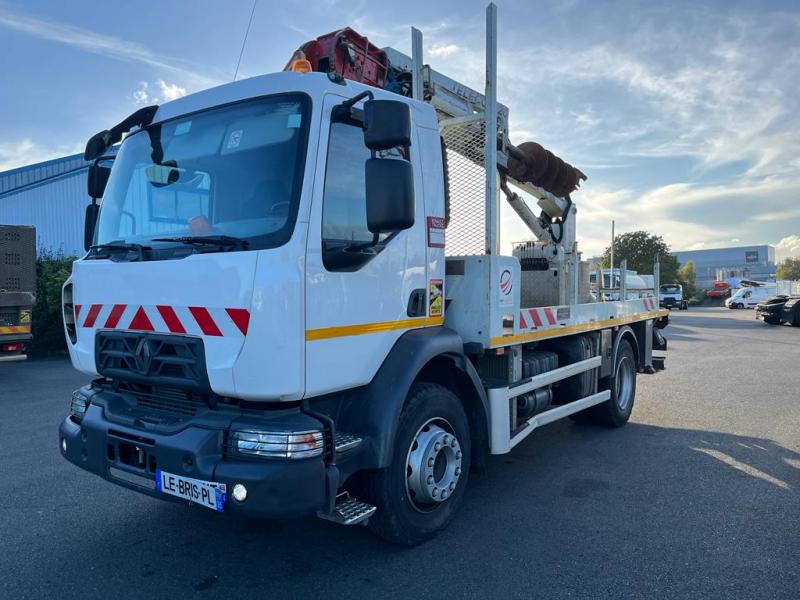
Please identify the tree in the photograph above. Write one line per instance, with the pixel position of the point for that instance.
(688, 279)
(789, 269)
(641, 249)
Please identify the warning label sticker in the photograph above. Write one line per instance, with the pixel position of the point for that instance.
(435, 298)
(436, 227)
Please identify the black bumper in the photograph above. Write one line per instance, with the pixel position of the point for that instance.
(129, 456)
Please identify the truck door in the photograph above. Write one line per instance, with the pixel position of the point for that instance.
(360, 297)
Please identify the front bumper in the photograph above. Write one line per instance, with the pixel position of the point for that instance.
(129, 456)
(773, 313)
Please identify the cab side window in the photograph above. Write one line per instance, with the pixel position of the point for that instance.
(347, 243)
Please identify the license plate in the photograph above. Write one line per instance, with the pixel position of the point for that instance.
(206, 493)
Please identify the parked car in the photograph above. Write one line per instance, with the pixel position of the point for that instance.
(780, 309)
(721, 289)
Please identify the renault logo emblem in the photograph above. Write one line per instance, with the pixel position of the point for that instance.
(143, 356)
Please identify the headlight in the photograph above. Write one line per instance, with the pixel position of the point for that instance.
(77, 406)
(274, 444)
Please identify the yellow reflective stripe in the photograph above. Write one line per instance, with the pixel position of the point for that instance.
(15, 329)
(347, 330)
(530, 336)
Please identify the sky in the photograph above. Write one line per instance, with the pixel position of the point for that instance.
(684, 115)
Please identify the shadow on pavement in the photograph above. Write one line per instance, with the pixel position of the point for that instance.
(568, 503)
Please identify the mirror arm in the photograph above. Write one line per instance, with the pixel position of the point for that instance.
(345, 110)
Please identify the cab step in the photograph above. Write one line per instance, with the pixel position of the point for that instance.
(349, 511)
(343, 442)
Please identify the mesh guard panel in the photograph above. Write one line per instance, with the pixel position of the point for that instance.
(467, 178)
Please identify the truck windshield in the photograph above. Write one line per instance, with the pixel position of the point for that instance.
(233, 171)
(670, 289)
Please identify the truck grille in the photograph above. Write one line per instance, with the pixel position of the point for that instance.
(171, 401)
(160, 360)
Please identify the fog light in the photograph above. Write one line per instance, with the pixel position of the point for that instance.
(64, 445)
(239, 492)
(273, 444)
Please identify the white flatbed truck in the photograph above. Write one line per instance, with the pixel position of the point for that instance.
(293, 301)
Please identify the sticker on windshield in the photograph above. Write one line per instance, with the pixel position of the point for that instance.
(293, 121)
(182, 128)
(235, 138)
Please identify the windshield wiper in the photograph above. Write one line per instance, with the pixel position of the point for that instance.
(118, 250)
(224, 241)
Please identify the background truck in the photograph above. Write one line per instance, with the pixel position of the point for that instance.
(672, 296)
(17, 289)
(294, 300)
(779, 309)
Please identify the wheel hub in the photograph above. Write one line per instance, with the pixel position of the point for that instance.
(433, 466)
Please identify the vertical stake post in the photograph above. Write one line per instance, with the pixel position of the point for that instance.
(490, 154)
(416, 59)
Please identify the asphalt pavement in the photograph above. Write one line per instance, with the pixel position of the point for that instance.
(697, 497)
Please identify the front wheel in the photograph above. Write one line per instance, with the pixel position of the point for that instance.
(616, 411)
(420, 491)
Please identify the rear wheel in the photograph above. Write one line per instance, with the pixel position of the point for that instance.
(419, 493)
(616, 411)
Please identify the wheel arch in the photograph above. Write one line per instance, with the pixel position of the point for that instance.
(456, 373)
(627, 333)
(433, 354)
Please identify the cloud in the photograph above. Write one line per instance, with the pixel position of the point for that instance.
(104, 45)
(166, 91)
(141, 96)
(443, 50)
(788, 247)
(170, 91)
(26, 152)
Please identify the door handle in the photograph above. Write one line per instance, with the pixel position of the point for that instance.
(416, 303)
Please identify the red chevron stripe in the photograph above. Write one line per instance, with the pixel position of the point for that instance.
(240, 318)
(141, 322)
(171, 319)
(115, 316)
(77, 312)
(522, 323)
(537, 321)
(91, 316)
(550, 318)
(205, 321)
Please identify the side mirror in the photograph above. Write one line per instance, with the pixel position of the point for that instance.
(96, 180)
(390, 195)
(97, 145)
(387, 124)
(89, 223)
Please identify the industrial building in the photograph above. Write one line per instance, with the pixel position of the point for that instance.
(750, 262)
(50, 195)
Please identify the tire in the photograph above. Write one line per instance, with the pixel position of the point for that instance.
(405, 516)
(616, 411)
